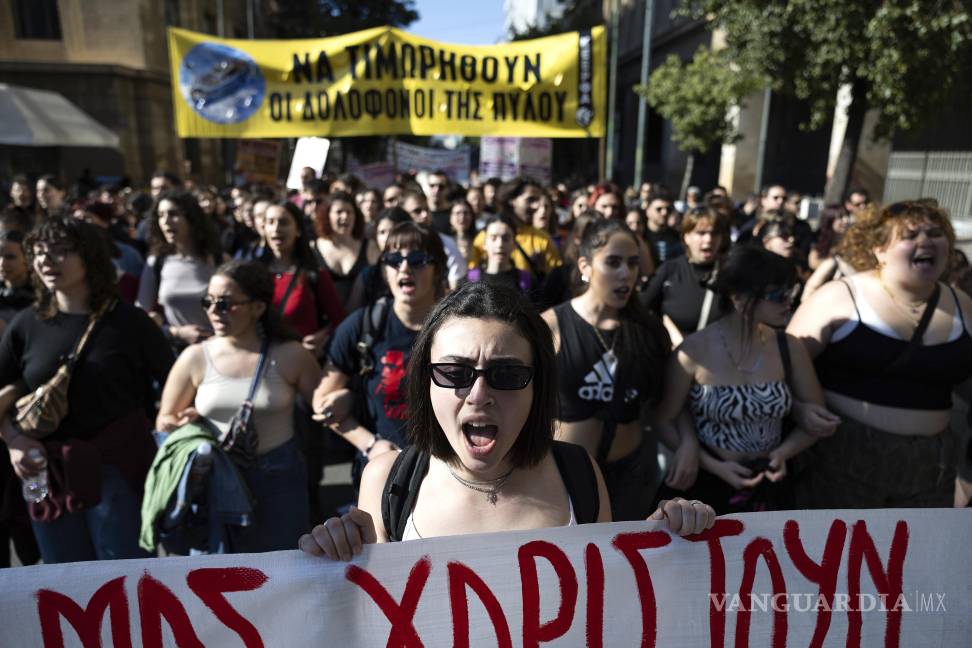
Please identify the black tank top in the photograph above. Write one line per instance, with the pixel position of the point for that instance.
(344, 282)
(863, 366)
(594, 382)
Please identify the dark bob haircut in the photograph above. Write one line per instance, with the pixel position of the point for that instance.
(419, 237)
(482, 300)
(752, 271)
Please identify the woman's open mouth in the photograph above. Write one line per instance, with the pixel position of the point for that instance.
(407, 285)
(924, 261)
(623, 292)
(480, 438)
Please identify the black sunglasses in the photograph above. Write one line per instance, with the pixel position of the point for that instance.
(415, 258)
(781, 295)
(222, 304)
(505, 377)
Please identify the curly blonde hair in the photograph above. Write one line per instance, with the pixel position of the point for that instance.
(875, 228)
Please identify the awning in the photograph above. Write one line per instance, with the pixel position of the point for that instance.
(30, 117)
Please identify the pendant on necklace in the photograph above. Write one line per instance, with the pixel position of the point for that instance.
(491, 497)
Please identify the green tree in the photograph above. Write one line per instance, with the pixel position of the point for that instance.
(312, 18)
(903, 57)
(696, 98)
(582, 14)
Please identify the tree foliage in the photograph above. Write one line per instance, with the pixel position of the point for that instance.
(582, 14)
(696, 98)
(313, 18)
(901, 56)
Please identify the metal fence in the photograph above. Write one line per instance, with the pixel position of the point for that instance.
(945, 176)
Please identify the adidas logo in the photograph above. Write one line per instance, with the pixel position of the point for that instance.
(600, 385)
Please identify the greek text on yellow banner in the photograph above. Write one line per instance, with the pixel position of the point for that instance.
(383, 81)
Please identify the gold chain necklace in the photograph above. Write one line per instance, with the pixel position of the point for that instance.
(913, 311)
(490, 487)
(609, 351)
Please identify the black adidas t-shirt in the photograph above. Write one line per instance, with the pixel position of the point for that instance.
(612, 382)
(385, 396)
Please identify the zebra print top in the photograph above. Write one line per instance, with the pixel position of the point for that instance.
(740, 418)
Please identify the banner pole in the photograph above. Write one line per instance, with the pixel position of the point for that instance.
(642, 103)
(612, 92)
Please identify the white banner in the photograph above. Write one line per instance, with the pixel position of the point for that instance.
(309, 152)
(837, 578)
(508, 157)
(412, 158)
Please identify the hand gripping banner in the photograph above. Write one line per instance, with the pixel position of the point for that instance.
(383, 81)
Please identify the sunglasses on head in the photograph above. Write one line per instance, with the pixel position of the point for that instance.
(222, 304)
(505, 377)
(781, 295)
(415, 258)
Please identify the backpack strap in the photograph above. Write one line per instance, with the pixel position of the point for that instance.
(372, 328)
(313, 279)
(534, 270)
(784, 345)
(919, 333)
(401, 489)
(577, 471)
(290, 288)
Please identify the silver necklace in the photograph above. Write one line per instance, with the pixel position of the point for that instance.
(490, 487)
(738, 365)
(609, 351)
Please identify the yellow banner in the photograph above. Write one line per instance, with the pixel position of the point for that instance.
(383, 81)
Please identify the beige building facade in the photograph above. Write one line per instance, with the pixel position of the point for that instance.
(110, 58)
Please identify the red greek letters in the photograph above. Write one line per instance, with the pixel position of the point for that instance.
(534, 632)
(630, 545)
(86, 621)
(824, 575)
(401, 616)
(155, 602)
(461, 577)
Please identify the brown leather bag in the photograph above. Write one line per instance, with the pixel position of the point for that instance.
(40, 413)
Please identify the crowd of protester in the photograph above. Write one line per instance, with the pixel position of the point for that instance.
(224, 346)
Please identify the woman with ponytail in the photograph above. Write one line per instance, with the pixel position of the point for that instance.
(212, 378)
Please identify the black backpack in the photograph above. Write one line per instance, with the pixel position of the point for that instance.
(411, 466)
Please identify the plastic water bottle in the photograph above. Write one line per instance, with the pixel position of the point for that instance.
(200, 469)
(35, 488)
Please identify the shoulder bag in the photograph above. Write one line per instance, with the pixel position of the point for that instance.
(240, 439)
(40, 413)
